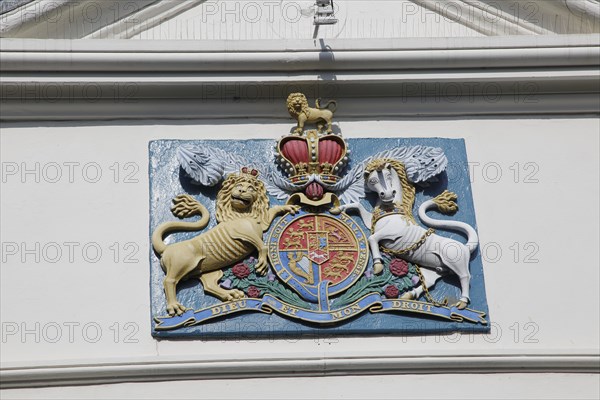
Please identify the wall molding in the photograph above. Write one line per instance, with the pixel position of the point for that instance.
(83, 55)
(112, 79)
(154, 369)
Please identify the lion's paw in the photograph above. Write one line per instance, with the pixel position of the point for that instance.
(234, 294)
(262, 270)
(262, 266)
(291, 209)
(175, 308)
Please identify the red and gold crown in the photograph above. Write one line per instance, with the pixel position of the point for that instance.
(302, 156)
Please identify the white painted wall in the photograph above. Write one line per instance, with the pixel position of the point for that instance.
(548, 307)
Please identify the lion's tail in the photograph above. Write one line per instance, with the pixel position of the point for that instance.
(184, 206)
(446, 204)
(333, 109)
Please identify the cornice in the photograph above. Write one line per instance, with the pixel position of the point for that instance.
(98, 79)
(155, 369)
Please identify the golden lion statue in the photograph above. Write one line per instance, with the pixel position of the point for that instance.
(243, 214)
(298, 108)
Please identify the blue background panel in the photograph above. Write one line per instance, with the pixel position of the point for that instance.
(167, 180)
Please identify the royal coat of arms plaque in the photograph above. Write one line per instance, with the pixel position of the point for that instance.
(313, 234)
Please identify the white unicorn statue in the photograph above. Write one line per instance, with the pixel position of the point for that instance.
(394, 229)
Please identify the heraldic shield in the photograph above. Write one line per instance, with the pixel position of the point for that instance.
(313, 233)
(318, 255)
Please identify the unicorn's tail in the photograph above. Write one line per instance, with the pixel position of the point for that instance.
(446, 204)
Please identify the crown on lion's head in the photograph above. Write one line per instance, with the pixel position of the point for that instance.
(242, 195)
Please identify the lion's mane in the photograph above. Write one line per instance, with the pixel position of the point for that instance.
(290, 104)
(260, 208)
